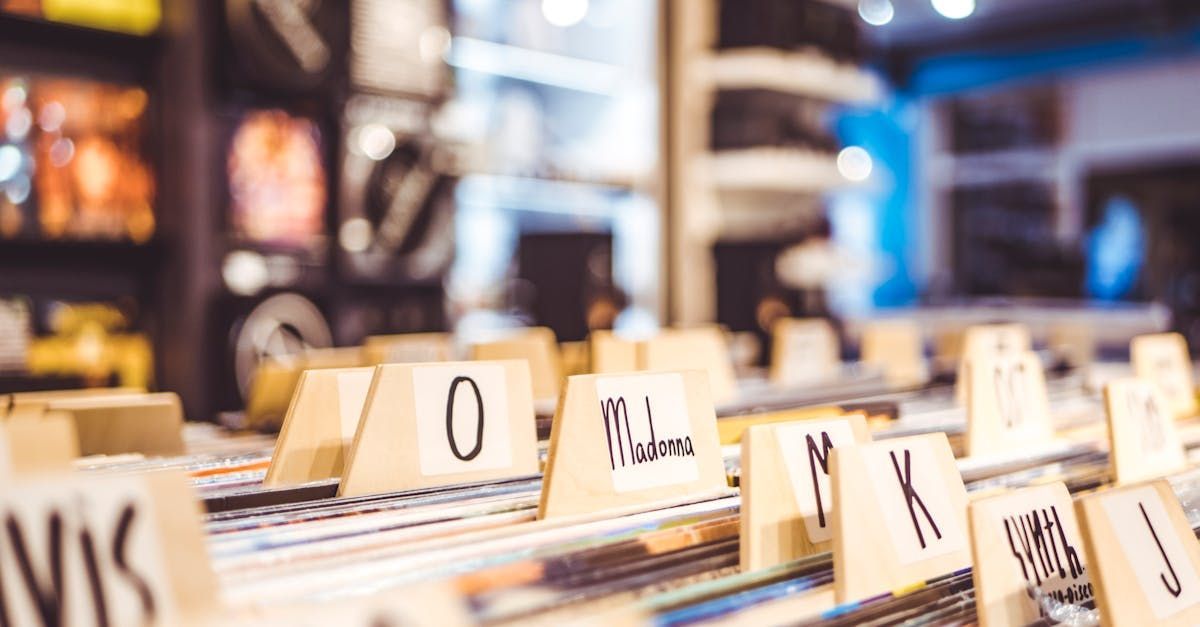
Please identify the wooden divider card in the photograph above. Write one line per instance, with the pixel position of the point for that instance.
(407, 348)
(537, 346)
(1007, 406)
(787, 499)
(990, 340)
(150, 424)
(1143, 441)
(610, 353)
(1144, 555)
(1027, 537)
(628, 440)
(804, 351)
(426, 425)
(319, 426)
(897, 348)
(683, 349)
(901, 515)
(103, 550)
(1163, 358)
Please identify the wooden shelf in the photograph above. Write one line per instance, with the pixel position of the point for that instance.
(806, 73)
(32, 32)
(82, 255)
(771, 169)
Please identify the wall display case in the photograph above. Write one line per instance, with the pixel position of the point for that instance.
(135, 17)
(290, 47)
(277, 181)
(561, 134)
(397, 47)
(396, 205)
(73, 163)
(756, 89)
(256, 328)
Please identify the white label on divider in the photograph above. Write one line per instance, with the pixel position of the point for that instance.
(107, 541)
(912, 495)
(1171, 373)
(1160, 561)
(805, 448)
(352, 390)
(1039, 531)
(647, 431)
(462, 418)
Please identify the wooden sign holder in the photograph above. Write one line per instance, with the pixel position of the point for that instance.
(873, 512)
(701, 347)
(150, 424)
(41, 444)
(165, 517)
(896, 348)
(275, 380)
(773, 526)
(579, 476)
(1143, 556)
(1163, 358)
(989, 340)
(804, 351)
(386, 455)
(1144, 443)
(319, 426)
(407, 348)
(1007, 406)
(536, 345)
(1021, 538)
(609, 353)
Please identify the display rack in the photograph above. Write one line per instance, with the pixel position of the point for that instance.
(720, 193)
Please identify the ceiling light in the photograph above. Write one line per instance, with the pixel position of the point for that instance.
(854, 163)
(954, 9)
(564, 13)
(876, 12)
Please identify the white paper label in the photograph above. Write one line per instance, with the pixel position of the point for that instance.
(1172, 374)
(804, 447)
(1015, 388)
(352, 395)
(1159, 444)
(808, 354)
(415, 351)
(647, 431)
(1159, 560)
(111, 554)
(462, 418)
(911, 492)
(1040, 534)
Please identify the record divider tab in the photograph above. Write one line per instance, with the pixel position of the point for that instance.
(599, 461)
(319, 426)
(901, 515)
(1143, 555)
(787, 500)
(444, 423)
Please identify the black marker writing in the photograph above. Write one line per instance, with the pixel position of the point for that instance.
(818, 456)
(95, 583)
(1148, 414)
(473, 453)
(49, 602)
(1177, 588)
(48, 595)
(640, 452)
(911, 496)
(1011, 394)
(1039, 544)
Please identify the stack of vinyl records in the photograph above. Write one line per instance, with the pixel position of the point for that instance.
(420, 493)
